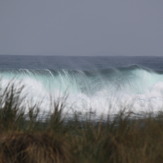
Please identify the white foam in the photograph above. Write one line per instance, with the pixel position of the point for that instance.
(142, 92)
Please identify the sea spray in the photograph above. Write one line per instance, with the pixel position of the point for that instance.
(101, 91)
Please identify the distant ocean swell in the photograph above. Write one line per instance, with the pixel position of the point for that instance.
(103, 91)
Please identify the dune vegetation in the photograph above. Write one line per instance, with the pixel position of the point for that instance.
(122, 138)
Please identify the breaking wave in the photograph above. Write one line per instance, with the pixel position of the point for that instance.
(101, 91)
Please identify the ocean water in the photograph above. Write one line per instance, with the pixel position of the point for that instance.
(102, 85)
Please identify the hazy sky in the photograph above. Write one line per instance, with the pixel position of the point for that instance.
(81, 27)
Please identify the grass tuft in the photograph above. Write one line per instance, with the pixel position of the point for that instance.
(122, 138)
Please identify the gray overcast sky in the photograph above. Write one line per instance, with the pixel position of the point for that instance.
(81, 27)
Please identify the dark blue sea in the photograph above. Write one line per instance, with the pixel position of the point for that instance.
(100, 84)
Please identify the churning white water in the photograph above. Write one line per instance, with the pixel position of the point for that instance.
(102, 92)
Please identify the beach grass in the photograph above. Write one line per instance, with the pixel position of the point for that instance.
(122, 138)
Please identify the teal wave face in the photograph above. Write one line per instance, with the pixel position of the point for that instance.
(131, 79)
(90, 89)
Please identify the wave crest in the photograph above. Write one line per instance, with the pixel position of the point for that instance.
(102, 90)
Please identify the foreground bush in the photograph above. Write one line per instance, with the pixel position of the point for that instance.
(33, 148)
(123, 138)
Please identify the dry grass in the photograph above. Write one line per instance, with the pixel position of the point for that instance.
(123, 139)
(33, 148)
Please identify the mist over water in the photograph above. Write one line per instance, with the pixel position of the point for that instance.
(101, 85)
